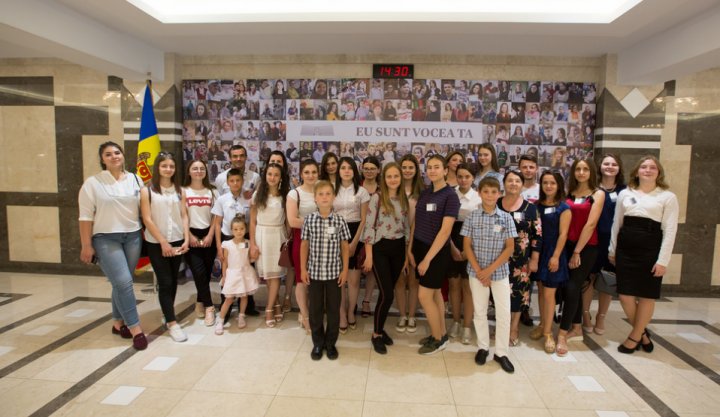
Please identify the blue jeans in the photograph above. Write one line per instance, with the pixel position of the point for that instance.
(118, 254)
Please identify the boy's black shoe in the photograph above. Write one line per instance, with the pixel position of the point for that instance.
(316, 353)
(332, 352)
(505, 363)
(481, 356)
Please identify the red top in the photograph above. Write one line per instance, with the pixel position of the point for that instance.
(580, 209)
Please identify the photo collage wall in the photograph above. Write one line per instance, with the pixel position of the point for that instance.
(387, 118)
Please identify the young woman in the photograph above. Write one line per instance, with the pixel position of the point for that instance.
(110, 226)
(612, 183)
(164, 212)
(526, 255)
(268, 230)
(387, 228)
(453, 159)
(642, 239)
(555, 217)
(459, 289)
(586, 203)
(300, 203)
(328, 168)
(407, 299)
(278, 157)
(351, 202)
(429, 249)
(487, 164)
(200, 196)
(370, 172)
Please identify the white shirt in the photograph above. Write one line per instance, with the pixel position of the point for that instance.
(307, 201)
(165, 213)
(227, 206)
(113, 206)
(199, 203)
(531, 194)
(347, 203)
(250, 181)
(659, 205)
(469, 202)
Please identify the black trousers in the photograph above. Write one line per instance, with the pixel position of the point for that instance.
(388, 259)
(166, 271)
(200, 261)
(251, 299)
(572, 292)
(324, 299)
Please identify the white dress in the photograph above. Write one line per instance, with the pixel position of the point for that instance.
(240, 277)
(270, 233)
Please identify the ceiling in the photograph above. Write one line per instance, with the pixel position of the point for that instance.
(116, 36)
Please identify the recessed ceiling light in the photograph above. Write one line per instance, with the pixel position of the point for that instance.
(518, 11)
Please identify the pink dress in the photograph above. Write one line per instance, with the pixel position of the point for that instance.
(240, 277)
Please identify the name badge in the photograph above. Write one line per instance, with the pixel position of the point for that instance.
(549, 210)
(632, 200)
(497, 228)
(330, 230)
(613, 196)
(580, 200)
(519, 217)
(431, 207)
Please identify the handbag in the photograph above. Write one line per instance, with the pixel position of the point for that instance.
(606, 282)
(360, 258)
(286, 260)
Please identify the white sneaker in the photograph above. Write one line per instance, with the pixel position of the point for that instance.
(177, 333)
(219, 326)
(454, 330)
(210, 316)
(402, 324)
(466, 336)
(241, 321)
(412, 325)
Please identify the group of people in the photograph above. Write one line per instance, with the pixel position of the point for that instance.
(474, 238)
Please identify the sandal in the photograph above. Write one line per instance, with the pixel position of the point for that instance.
(304, 322)
(561, 349)
(287, 304)
(514, 339)
(597, 329)
(269, 322)
(279, 316)
(589, 328)
(549, 343)
(365, 313)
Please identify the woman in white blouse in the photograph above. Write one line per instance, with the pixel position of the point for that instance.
(351, 202)
(167, 234)
(110, 226)
(642, 239)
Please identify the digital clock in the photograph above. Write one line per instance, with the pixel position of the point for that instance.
(393, 71)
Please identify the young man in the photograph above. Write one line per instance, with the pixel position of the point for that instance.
(324, 256)
(489, 240)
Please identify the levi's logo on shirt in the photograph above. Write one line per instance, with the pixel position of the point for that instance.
(197, 201)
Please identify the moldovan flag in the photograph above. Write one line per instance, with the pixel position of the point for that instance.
(149, 144)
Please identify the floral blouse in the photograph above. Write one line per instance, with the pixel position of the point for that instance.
(391, 226)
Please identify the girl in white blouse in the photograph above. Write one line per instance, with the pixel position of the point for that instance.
(351, 202)
(641, 242)
(167, 234)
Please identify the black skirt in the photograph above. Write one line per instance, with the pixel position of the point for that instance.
(638, 246)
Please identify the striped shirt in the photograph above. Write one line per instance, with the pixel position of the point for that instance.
(489, 232)
(325, 235)
(432, 207)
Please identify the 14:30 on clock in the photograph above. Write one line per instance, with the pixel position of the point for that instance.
(393, 71)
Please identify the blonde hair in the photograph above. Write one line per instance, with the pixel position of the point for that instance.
(322, 184)
(660, 181)
(385, 194)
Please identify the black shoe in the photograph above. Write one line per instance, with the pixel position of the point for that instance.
(250, 309)
(378, 344)
(444, 340)
(624, 349)
(481, 356)
(332, 352)
(424, 340)
(505, 363)
(252, 312)
(649, 346)
(386, 339)
(526, 319)
(316, 353)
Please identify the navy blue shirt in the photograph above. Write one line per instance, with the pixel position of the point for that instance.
(430, 210)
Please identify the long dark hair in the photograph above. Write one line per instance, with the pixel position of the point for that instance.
(592, 181)
(493, 157)
(560, 195)
(323, 173)
(263, 191)
(285, 169)
(155, 181)
(205, 181)
(102, 148)
(356, 174)
(417, 182)
(620, 177)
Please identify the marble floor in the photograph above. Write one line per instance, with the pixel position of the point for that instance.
(58, 357)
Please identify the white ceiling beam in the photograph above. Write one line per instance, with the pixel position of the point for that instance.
(687, 48)
(58, 31)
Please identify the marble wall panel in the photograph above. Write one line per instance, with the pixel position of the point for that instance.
(33, 234)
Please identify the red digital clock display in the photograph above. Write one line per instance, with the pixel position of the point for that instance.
(393, 71)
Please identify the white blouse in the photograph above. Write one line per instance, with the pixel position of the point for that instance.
(165, 213)
(113, 206)
(272, 214)
(307, 201)
(469, 202)
(347, 202)
(659, 205)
